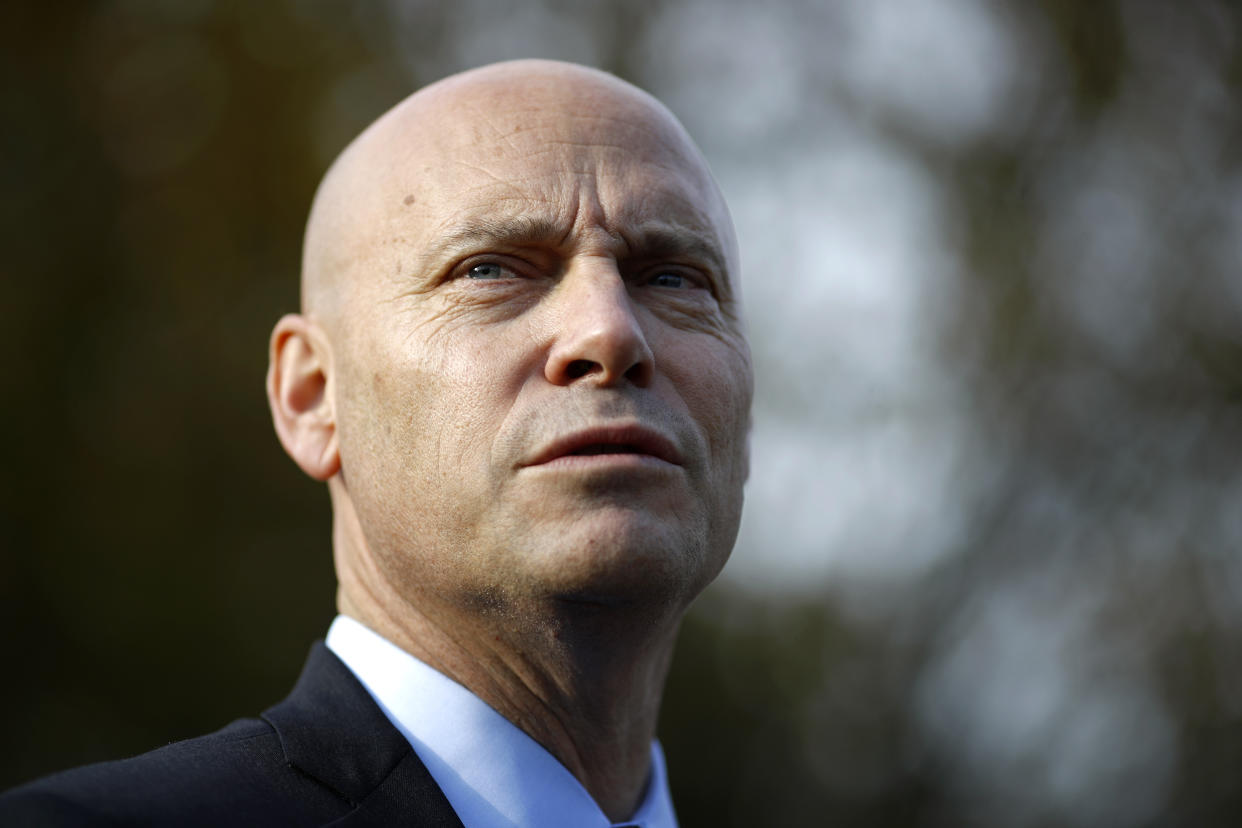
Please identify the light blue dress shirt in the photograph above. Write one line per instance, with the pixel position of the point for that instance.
(493, 774)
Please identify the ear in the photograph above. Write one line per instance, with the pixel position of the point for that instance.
(297, 392)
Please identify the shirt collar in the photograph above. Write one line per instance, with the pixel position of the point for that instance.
(493, 774)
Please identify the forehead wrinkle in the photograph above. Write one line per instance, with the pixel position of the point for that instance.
(517, 230)
(489, 119)
(540, 128)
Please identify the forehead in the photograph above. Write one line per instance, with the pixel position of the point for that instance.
(559, 153)
(555, 156)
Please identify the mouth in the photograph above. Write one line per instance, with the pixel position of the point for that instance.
(610, 443)
(605, 448)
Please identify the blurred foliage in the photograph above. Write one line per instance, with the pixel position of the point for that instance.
(165, 566)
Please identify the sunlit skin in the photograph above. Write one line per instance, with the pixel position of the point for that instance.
(521, 370)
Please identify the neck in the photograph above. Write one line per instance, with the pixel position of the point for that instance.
(576, 678)
(581, 678)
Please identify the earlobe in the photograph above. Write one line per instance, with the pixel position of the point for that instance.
(298, 375)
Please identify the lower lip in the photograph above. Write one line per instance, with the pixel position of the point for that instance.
(586, 462)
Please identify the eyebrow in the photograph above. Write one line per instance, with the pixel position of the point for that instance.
(660, 240)
(651, 240)
(513, 231)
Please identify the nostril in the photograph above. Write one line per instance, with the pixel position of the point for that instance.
(578, 368)
(639, 373)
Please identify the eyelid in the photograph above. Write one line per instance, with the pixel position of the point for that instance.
(519, 268)
(695, 276)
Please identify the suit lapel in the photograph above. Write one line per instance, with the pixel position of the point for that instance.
(407, 796)
(333, 731)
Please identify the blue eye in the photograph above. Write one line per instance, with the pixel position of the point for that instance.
(669, 280)
(486, 270)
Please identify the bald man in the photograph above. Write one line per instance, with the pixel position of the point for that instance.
(520, 369)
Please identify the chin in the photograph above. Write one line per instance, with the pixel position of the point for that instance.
(615, 560)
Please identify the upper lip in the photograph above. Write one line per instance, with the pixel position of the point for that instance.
(637, 439)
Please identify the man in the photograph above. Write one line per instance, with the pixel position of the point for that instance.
(520, 369)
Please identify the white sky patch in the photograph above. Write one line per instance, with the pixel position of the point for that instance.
(942, 67)
(872, 500)
(859, 446)
(737, 70)
(503, 31)
(843, 255)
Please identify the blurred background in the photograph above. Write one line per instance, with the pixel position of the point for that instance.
(989, 573)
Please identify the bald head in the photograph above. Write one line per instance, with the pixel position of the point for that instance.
(508, 259)
(553, 117)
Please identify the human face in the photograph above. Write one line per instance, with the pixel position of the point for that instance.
(541, 383)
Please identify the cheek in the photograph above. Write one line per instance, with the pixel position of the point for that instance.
(413, 451)
(451, 402)
(438, 393)
(717, 387)
(388, 407)
(720, 397)
(475, 381)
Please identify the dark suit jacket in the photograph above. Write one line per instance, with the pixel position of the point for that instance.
(326, 755)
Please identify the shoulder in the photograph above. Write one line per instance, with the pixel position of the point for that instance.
(325, 753)
(238, 774)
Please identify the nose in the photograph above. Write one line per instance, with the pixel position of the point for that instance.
(598, 337)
